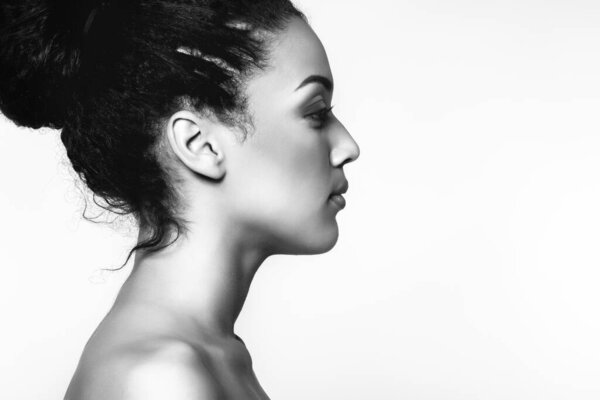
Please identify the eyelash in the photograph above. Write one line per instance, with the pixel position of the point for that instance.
(321, 116)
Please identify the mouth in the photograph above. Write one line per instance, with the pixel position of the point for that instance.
(338, 200)
(336, 197)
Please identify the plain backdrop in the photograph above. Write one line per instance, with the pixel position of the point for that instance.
(467, 265)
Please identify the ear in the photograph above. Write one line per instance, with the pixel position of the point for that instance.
(194, 141)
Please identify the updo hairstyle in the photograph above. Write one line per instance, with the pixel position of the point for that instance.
(109, 74)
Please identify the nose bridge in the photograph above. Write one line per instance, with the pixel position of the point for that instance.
(344, 148)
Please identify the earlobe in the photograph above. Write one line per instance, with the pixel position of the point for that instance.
(194, 142)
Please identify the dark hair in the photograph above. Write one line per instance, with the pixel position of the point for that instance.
(108, 73)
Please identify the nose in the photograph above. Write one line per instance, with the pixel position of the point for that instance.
(344, 148)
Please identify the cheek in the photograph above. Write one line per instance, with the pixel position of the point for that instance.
(286, 175)
(295, 174)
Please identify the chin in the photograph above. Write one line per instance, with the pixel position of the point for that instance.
(326, 246)
(316, 242)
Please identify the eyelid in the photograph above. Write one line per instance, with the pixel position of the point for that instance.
(321, 117)
(315, 106)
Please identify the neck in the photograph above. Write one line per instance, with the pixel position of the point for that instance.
(203, 278)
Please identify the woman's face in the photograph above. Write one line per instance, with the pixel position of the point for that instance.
(281, 178)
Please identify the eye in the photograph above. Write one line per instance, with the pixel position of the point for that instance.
(321, 116)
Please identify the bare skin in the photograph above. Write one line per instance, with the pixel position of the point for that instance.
(135, 336)
(170, 333)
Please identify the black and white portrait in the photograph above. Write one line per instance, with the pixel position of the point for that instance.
(278, 199)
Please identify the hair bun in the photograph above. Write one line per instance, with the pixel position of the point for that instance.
(39, 55)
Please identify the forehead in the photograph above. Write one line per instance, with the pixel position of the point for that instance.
(295, 53)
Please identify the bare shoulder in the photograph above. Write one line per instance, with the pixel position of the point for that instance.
(174, 371)
(158, 370)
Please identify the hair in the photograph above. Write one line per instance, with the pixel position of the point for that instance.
(108, 74)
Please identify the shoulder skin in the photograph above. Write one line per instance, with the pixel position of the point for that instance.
(170, 371)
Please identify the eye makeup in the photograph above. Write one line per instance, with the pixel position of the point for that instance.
(316, 105)
(318, 113)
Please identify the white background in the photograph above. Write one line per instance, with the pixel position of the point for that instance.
(467, 265)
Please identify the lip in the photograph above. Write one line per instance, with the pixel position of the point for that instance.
(338, 200)
(341, 188)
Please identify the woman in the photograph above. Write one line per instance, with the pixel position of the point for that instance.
(208, 121)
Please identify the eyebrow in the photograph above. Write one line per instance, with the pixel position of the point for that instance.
(326, 82)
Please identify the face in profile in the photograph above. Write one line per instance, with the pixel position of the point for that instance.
(281, 178)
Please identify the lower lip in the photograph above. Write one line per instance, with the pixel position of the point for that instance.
(338, 200)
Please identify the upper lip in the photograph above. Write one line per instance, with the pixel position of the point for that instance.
(341, 188)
